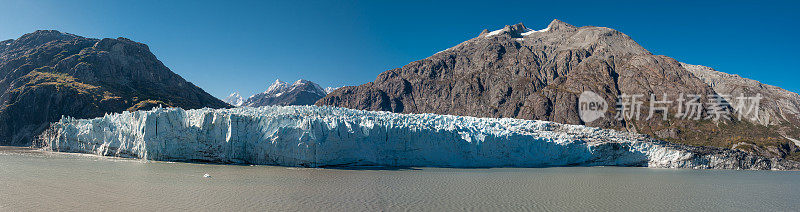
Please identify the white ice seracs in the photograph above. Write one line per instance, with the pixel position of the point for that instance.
(328, 136)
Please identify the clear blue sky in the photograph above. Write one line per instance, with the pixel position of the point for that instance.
(228, 46)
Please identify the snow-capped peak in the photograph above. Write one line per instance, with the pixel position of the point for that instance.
(277, 86)
(301, 92)
(300, 82)
(234, 99)
(315, 87)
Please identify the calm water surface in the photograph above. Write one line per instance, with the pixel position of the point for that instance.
(41, 181)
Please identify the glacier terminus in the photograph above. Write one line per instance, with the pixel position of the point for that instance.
(313, 136)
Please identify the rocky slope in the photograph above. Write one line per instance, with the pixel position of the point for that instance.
(301, 92)
(521, 73)
(48, 74)
(780, 110)
(326, 136)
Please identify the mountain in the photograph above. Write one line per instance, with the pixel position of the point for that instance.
(301, 92)
(48, 74)
(781, 111)
(234, 99)
(522, 73)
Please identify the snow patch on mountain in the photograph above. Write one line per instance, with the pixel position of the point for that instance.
(331, 89)
(796, 142)
(327, 136)
(526, 32)
(493, 33)
(530, 31)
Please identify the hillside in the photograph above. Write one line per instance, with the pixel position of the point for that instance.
(518, 72)
(48, 74)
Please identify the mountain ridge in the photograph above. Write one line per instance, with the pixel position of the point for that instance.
(301, 92)
(517, 72)
(47, 74)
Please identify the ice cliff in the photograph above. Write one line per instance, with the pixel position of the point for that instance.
(328, 136)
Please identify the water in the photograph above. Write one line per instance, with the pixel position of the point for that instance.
(33, 180)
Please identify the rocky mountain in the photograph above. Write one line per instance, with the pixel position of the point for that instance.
(301, 92)
(48, 74)
(522, 73)
(780, 110)
(782, 106)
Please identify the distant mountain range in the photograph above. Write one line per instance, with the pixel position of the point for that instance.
(301, 92)
(518, 72)
(48, 74)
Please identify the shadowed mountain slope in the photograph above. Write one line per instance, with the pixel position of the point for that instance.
(48, 74)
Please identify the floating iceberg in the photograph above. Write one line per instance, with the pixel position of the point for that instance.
(314, 136)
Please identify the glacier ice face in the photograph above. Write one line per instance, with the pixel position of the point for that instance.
(327, 136)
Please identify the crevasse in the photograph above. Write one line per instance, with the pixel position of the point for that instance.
(328, 136)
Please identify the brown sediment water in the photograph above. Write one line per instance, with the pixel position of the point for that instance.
(45, 181)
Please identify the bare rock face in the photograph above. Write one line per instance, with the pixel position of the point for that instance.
(781, 109)
(521, 73)
(301, 92)
(48, 74)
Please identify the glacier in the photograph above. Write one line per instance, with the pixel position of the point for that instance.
(313, 136)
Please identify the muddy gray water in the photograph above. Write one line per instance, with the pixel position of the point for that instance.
(43, 181)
